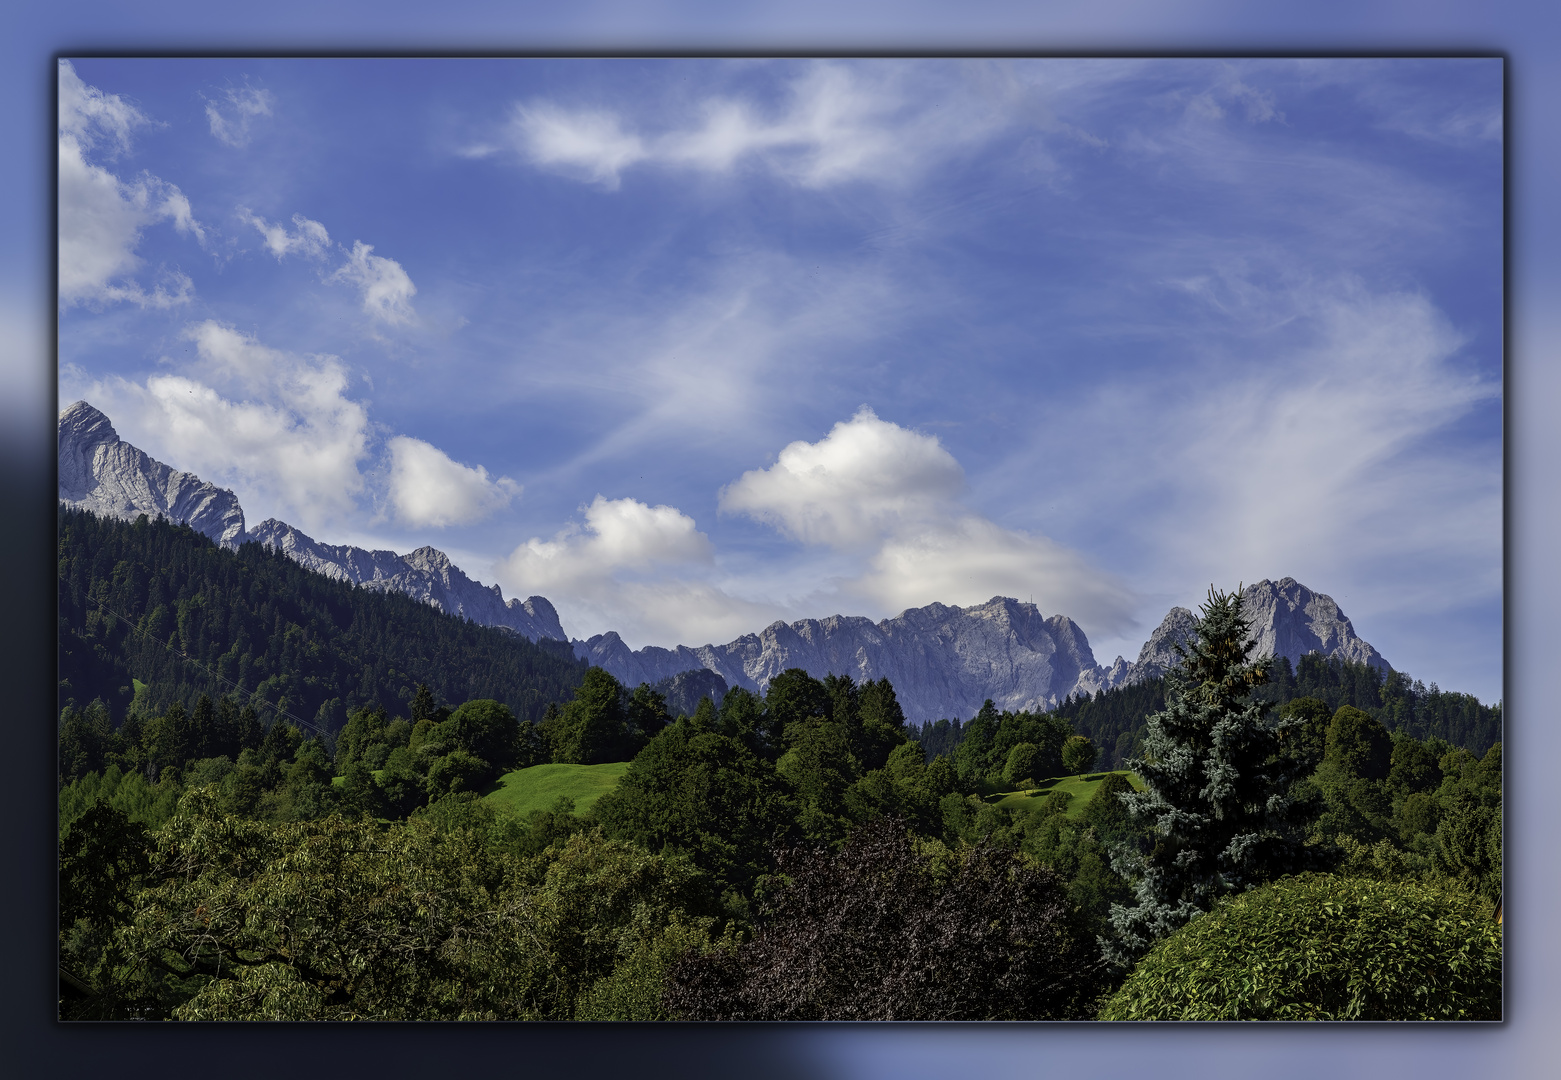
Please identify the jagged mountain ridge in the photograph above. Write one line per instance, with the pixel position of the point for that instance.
(943, 661)
(426, 574)
(939, 658)
(102, 473)
(946, 661)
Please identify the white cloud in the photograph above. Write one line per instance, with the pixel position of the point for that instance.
(101, 217)
(88, 115)
(619, 534)
(873, 486)
(970, 560)
(231, 115)
(838, 123)
(645, 571)
(428, 488)
(864, 480)
(275, 426)
(386, 288)
(587, 143)
(308, 238)
(1290, 461)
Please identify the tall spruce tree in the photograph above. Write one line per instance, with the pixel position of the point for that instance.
(1218, 778)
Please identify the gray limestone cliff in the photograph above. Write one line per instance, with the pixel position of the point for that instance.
(426, 574)
(1290, 620)
(102, 473)
(945, 661)
(106, 475)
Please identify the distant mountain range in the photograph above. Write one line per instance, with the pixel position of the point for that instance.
(943, 661)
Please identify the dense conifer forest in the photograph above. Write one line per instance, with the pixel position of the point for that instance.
(158, 604)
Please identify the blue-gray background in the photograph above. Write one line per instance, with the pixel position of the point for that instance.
(1527, 34)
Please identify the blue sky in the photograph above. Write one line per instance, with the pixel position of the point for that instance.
(690, 345)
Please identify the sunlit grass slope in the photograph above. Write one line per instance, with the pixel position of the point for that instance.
(1081, 788)
(538, 787)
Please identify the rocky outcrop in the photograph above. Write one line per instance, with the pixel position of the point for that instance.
(426, 574)
(945, 661)
(102, 473)
(683, 690)
(1290, 620)
(1159, 653)
(942, 661)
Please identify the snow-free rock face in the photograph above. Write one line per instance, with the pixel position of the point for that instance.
(102, 473)
(1290, 620)
(943, 661)
(1159, 653)
(426, 574)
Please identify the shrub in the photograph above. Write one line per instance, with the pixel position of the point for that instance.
(1320, 947)
(874, 931)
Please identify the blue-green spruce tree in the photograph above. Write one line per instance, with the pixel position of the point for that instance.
(1217, 809)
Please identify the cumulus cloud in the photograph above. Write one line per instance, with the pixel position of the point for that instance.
(889, 493)
(644, 571)
(233, 112)
(837, 123)
(275, 426)
(101, 217)
(428, 488)
(307, 238)
(386, 288)
(864, 480)
(618, 535)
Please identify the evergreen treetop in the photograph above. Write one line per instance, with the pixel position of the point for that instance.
(1218, 778)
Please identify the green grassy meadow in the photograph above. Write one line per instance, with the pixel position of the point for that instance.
(538, 787)
(1080, 787)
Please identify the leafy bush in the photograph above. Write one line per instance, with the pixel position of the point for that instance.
(875, 930)
(1320, 947)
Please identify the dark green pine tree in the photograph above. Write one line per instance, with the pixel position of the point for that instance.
(1218, 778)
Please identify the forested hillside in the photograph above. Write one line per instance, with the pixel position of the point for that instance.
(1114, 719)
(159, 604)
(768, 857)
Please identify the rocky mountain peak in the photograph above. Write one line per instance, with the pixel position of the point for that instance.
(102, 473)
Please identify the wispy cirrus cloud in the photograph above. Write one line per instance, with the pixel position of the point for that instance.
(233, 111)
(834, 123)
